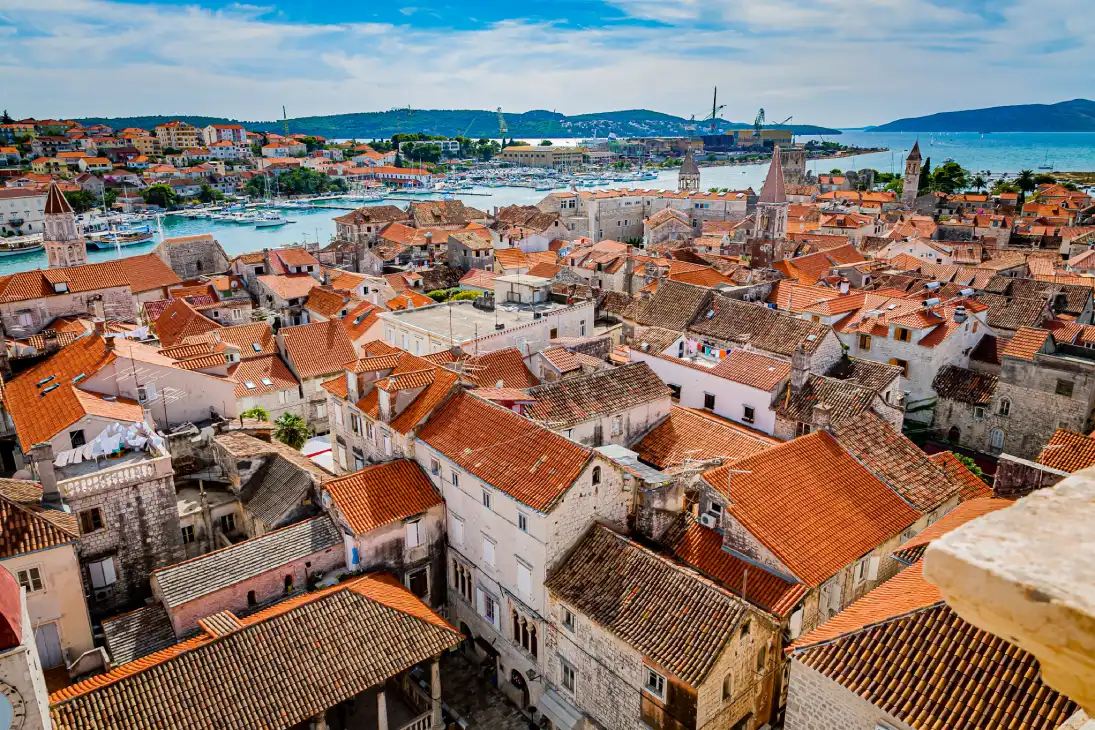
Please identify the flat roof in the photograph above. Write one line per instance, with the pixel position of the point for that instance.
(463, 322)
(524, 279)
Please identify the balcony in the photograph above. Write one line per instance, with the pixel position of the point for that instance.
(404, 709)
(1027, 574)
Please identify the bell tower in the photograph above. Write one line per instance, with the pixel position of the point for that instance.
(688, 179)
(912, 176)
(64, 244)
(772, 203)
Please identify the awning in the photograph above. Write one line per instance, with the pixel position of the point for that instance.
(559, 710)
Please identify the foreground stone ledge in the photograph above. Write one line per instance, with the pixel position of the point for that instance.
(1027, 574)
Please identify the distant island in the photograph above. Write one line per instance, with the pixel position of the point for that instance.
(1077, 115)
(475, 123)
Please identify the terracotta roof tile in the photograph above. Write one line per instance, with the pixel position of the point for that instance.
(568, 402)
(886, 648)
(360, 318)
(912, 550)
(381, 494)
(147, 272)
(701, 548)
(481, 279)
(505, 366)
(689, 436)
(533, 465)
(267, 373)
(179, 321)
(327, 303)
(812, 504)
(253, 340)
(408, 299)
(964, 385)
(753, 369)
(1026, 343)
(640, 597)
(289, 286)
(360, 632)
(317, 349)
(510, 258)
(1068, 451)
(27, 529)
(970, 486)
(755, 326)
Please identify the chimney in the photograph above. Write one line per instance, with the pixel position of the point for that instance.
(384, 400)
(99, 325)
(326, 277)
(352, 387)
(42, 457)
(109, 341)
(821, 416)
(845, 285)
(960, 314)
(800, 370)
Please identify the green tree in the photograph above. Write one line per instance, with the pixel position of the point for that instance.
(978, 182)
(1003, 186)
(312, 143)
(5, 118)
(1026, 184)
(291, 430)
(81, 200)
(208, 194)
(895, 186)
(470, 294)
(950, 178)
(1044, 178)
(258, 413)
(969, 464)
(110, 198)
(836, 171)
(545, 143)
(925, 178)
(517, 143)
(160, 195)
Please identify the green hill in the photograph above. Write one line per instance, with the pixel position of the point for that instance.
(1077, 115)
(468, 122)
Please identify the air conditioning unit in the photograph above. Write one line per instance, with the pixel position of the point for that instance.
(709, 520)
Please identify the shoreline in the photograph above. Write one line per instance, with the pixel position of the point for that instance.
(833, 156)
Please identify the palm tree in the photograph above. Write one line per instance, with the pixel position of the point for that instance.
(978, 183)
(1025, 183)
(291, 430)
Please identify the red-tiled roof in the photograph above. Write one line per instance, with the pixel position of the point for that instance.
(753, 369)
(913, 549)
(502, 368)
(812, 504)
(179, 320)
(1068, 451)
(317, 349)
(693, 436)
(267, 373)
(533, 465)
(381, 494)
(289, 286)
(970, 486)
(253, 340)
(1025, 344)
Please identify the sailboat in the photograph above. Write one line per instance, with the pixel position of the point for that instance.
(1046, 165)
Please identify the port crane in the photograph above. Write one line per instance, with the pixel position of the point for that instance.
(712, 117)
(285, 120)
(503, 128)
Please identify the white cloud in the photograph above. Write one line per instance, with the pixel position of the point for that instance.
(824, 61)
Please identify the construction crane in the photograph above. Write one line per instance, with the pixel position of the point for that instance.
(758, 122)
(502, 127)
(715, 109)
(285, 120)
(786, 120)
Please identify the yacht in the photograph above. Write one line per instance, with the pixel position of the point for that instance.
(271, 220)
(18, 245)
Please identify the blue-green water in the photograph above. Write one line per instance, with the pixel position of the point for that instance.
(994, 152)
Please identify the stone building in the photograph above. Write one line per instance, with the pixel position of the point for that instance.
(637, 641)
(688, 178)
(379, 402)
(793, 161)
(613, 406)
(1038, 387)
(911, 187)
(772, 206)
(316, 353)
(668, 225)
(467, 250)
(127, 517)
(192, 256)
(506, 531)
(64, 245)
(363, 226)
(392, 518)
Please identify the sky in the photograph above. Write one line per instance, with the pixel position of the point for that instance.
(846, 63)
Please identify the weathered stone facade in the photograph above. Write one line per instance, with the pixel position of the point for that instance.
(815, 702)
(139, 529)
(192, 256)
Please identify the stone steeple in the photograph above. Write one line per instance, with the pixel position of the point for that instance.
(64, 244)
(772, 202)
(689, 176)
(912, 176)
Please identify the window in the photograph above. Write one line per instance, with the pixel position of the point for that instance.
(486, 499)
(387, 445)
(762, 657)
(488, 606)
(455, 478)
(524, 578)
(1003, 408)
(461, 579)
(901, 334)
(745, 629)
(569, 676)
(355, 422)
(714, 509)
(91, 520)
(188, 534)
(338, 416)
(655, 684)
(709, 401)
(978, 413)
(419, 582)
(359, 458)
(674, 391)
(617, 425)
(522, 522)
(252, 599)
(369, 430)
(31, 579)
(456, 530)
(321, 410)
(727, 687)
(582, 328)
(996, 439)
(802, 428)
(567, 618)
(596, 475)
(288, 584)
(1064, 387)
(749, 414)
(864, 342)
(341, 455)
(414, 533)
(228, 522)
(76, 438)
(903, 364)
(524, 633)
(102, 573)
(435, 467)
(488, 551)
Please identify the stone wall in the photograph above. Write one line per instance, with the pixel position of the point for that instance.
(140, 532)
(193, 256)
(1017, 477)
(815, 702)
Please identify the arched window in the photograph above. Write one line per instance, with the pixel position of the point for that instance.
(596, 475)
(727, 687)
(1003, 408)
(953, 434)
(996, 440)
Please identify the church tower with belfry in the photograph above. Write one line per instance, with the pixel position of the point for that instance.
(688, 179)
(772, 203)
(64, 245)
(912, 176)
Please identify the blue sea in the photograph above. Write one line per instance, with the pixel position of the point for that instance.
(995, 153)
